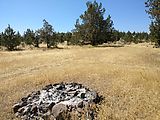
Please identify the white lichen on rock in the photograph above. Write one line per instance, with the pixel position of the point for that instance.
(53, 100)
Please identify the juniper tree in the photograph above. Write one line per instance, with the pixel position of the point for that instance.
(10, 39)
(29, 37)
(153, 8)
(48, 35)
(37, 39)
(92, 27)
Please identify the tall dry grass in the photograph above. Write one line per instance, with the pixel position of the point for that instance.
(128, 78)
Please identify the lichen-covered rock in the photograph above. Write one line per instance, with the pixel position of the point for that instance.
(55, 100)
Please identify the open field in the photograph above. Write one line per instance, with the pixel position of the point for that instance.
(128, 77)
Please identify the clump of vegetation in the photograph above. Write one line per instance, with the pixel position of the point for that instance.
(10, 39)
(32, 38)
(47, 34)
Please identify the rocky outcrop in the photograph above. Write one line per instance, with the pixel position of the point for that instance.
(53, 101)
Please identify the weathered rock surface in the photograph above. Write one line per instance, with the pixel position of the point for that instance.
(53, 100)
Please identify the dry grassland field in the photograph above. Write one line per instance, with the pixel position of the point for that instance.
(128, 77)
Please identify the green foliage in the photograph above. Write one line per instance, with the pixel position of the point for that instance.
(155, 32)
(1, 40)
(153, 8)
(37, 39)
(10, 39)
(29, 37)
(32, 38)
(93, 27)
(154, 12)
(18, 37)
(47, 34)
(135, 37)
(68, 38)
(141, 36)
(75, 39)
(116, 35)
(60, 37)
(128, 37)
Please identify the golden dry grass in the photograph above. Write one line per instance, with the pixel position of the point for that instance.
(128, 78)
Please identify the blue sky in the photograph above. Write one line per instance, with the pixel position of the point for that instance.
(62, 14)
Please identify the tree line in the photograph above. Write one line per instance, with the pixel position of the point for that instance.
(91, 28)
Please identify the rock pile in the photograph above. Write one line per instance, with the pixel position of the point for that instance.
(53, 100)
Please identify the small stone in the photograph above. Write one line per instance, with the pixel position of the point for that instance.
(16, 107)
(51, 117)
(27, 110)
(51, 105)
(24, 99)
(16, 114)
(56, 84)
(20, 110)
(76, 93)
(48, 87)
(80, 105)
(61, 87)
(24, 103)
(57, 109)
(34, 109)
(82, 95)
(74, 84)
(79, 114)
(79, 110)
(38, 92)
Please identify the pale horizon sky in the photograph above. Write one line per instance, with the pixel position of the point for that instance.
(127, 15)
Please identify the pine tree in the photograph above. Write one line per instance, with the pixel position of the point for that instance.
(48, 35)
(68, 37)
(10, 39)
(37, 38)
(29, 37)
(93, 27)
